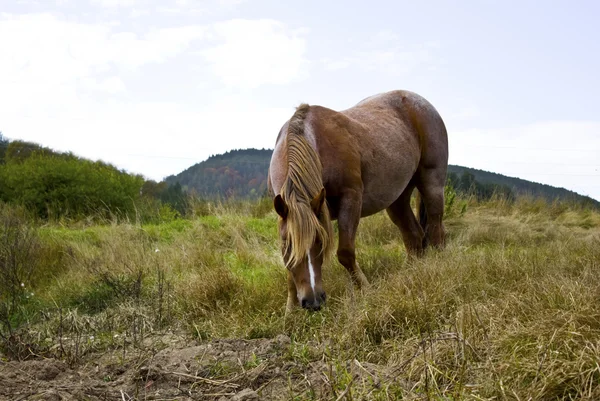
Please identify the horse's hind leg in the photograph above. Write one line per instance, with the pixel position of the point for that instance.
(403, 217)
(431, 186)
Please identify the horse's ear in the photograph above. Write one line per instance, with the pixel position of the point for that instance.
(280, 206)
(317, 203)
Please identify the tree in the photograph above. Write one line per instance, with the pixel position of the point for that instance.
(3, 146)
(176, 197)
(467, 182)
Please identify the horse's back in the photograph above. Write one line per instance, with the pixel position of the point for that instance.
(406, 106)
(388, 136)
(376, 146)
(413, 117)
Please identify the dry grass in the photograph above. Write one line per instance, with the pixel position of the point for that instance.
(509, 310)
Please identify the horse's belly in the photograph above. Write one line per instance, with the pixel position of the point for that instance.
(376, 200)
(383, 185)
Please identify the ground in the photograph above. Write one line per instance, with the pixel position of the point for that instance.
(191, 309)
(246, 370)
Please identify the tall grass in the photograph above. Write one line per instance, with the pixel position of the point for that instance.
(509, 310)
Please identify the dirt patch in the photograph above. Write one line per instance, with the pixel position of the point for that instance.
(227, 369)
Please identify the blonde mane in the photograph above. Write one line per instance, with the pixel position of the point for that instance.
(303, 183)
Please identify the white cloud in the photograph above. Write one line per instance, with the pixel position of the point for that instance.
(48, 61)
(138, 12)
(199, 6)
(464, 114)
(380, 56)
(111, 85)
(230, 3)
(116, 3)
(386, 36)
(335, 65)
(66, 85)
(171, 8)
(52, 60)
(257, 52)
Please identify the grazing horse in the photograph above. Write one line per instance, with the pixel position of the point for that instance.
(346, 165)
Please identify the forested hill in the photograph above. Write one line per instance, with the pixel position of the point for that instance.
(244, 173)
(238, 173)
(520, 186)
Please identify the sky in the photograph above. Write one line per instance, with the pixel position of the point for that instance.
(154, 87)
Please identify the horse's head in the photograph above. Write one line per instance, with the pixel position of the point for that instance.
(305, 231)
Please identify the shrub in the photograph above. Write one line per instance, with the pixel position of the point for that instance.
(19, 250)
(65, 186)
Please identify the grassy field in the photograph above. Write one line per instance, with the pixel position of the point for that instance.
(509, 310)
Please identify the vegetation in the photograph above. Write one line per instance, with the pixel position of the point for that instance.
(3, 146)
(467, 184)
(487, 182)
(509, 310)
(54, 185)
(238, 173)
(101, 270)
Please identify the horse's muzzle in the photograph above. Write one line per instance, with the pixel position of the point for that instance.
(313, 303)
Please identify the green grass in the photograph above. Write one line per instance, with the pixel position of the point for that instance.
(509, 310)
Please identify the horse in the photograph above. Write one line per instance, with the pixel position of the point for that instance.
(345, 165)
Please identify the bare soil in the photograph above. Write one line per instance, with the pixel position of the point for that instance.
(226, 369)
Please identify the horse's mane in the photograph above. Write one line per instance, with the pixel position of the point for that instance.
(303, 183)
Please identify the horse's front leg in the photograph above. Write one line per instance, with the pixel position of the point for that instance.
(348, 218)
(292, 299)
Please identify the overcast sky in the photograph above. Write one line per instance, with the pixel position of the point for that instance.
(156, 86)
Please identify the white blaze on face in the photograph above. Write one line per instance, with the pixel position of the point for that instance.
(311, 271)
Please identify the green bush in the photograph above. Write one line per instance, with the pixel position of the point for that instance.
(58, 186)
(19, 260)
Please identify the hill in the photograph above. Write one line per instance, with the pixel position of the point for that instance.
(243, 173)
(237, 173)
(522, 187)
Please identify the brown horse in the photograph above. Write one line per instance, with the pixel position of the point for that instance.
(360, 161)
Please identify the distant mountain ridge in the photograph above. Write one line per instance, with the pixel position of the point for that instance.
(523, 187)
(243, 173)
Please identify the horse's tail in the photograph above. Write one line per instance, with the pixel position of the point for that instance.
(422, 213)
